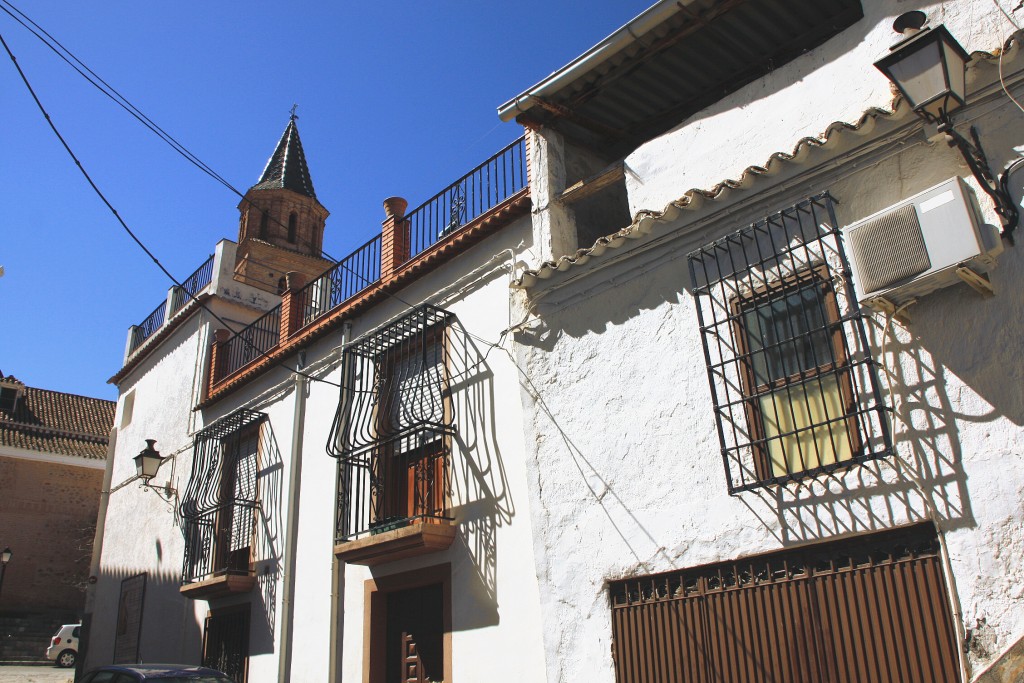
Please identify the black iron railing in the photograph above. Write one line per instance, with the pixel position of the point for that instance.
(472, 195)
(218, 508)
(155, 320)
(393, 486)
(192, 285)
(147, 327)
(353, 274)
(258, 338)
(218, 542)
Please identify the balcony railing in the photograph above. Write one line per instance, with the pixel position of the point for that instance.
(469, 197)
(353, 274)
(218, 542)
(253, 341)
(383, 490)
(147, 327)
(192, 285)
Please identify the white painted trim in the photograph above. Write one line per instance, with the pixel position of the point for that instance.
(54, 458)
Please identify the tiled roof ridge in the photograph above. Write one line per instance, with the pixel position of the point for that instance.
(69, 394)
(644, 218)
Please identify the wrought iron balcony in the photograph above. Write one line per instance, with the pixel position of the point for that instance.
(218, 548)
(220, 507)
(392, 436)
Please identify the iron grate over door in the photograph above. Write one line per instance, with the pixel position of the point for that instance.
(870, 609)
(226, 642)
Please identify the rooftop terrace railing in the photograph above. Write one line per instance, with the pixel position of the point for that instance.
(192, 285)
(147, 327)
(253, 341)
(353, 274)
(469, 197)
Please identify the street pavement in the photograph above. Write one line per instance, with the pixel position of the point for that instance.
(35, 674)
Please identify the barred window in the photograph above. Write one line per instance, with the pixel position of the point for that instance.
(219, 507)
(393, 425)
(794, 386)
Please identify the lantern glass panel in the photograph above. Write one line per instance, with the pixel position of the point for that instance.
(919, 74)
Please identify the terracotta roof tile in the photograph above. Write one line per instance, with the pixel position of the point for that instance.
(55, 422)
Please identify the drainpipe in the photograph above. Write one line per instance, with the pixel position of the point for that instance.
(336, 636)
(292, 532)
(97, 551)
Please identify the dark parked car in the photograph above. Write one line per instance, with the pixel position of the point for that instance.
(166, 673)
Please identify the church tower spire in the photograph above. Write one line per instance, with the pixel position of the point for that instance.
(281, 228)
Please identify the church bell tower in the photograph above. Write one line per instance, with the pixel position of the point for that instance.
(281, 228)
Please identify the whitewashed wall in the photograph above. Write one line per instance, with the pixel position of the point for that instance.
(625, 470)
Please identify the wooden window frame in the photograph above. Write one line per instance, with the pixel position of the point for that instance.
(813, 276)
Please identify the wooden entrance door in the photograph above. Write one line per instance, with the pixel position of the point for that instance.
(414, 633)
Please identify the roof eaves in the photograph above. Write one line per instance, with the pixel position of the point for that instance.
(645, 220)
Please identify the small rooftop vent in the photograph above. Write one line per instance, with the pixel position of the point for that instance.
(929, 241)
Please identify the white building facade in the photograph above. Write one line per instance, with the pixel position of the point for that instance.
(738, 471)
(342, 494)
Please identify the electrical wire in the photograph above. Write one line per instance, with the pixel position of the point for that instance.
(1002, 51)
(104, 87)
(118, 217)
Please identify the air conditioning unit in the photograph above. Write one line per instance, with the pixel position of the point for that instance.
(929, 241)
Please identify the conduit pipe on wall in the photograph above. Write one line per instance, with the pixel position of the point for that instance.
(595, 56)
(292, 531)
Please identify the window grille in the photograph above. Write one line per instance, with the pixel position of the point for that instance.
(392, 429)
(219, 506)
(794, 386)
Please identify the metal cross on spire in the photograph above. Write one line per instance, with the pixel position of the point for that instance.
(293, 114)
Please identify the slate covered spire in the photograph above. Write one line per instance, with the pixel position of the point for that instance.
(287, 166)
(281, 222)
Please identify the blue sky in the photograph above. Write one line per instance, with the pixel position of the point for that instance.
(395, 98)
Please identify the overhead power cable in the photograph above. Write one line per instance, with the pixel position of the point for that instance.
(124, 225)
(100, 84)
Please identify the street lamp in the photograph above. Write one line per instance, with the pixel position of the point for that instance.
(147, 462)
(5, 557)
(929, 68)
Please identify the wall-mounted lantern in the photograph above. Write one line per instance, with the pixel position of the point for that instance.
(147, 462)
(929, 68)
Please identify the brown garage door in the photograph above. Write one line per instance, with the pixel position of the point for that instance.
(858, 611)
